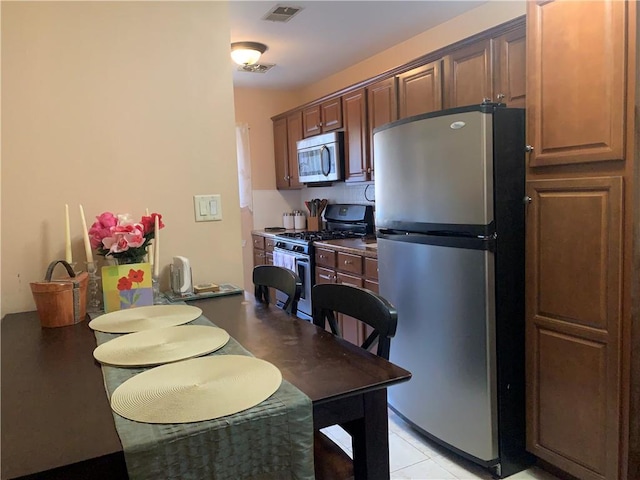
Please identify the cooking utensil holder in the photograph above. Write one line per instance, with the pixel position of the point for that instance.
(61, 302)
(313, 224)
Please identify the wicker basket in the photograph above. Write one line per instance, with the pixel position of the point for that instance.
(63, 301)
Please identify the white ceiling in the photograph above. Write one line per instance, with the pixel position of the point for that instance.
(328, 36)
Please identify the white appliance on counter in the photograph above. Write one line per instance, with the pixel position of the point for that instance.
(450, 218)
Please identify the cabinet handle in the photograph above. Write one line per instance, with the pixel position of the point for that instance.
(500, 96)
(326, 277)
(528, 148)
(348, 262)
(527, 200)
(369, 170)
(322, 256)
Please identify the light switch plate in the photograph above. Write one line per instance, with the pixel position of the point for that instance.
(207, 208)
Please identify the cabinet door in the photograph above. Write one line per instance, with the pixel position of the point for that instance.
(355, 136)
(573, 317)
(311, 121)
(576, 72)
(467, 75)
(294, 133)
(281, 152)
(331, 114)
(382, 105)
(420, 90)
(325, 275)
(352, 329)
(510, 68)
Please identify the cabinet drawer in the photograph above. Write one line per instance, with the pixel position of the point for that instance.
(258, 241)
(349, 263)
(371, 285)
(324, 275)
(326, 258)
(349, 279)
(269, 243)
(259, 257)
(371, 268)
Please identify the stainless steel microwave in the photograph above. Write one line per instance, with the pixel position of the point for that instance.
(320, 158)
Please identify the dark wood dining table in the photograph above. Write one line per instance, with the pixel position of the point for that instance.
(56, 419)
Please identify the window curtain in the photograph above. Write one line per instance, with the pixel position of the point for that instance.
(244, 166)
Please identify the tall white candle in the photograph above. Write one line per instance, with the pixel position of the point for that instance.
(67, 236)
(85, 237)
(150, 246)
(156, 248)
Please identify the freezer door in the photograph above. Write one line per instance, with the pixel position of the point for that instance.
(446, 339)
(435, 170)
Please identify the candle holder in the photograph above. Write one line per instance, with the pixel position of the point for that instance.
(155, 285)
(94, 297)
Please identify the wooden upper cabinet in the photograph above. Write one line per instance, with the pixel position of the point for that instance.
(311, 121)
(294, 133)
(287, 130)
(323, 117)
(356, 149)
(468, 75)
(420, 90)
(331, 114)
(575, 104)
(382, 108)
(510, 68)
(281, 152)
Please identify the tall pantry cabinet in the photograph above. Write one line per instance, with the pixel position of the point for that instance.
(583, 240)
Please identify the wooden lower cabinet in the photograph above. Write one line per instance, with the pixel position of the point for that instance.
(573, 324)
(262, 250)
(349, 269)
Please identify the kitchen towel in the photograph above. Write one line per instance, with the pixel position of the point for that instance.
(284, 259)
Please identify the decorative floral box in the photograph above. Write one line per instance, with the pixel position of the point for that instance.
(126, 286)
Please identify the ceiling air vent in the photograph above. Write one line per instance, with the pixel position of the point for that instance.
(256, 67)
(281, 13)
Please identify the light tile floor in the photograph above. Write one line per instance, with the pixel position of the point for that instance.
(412, 456)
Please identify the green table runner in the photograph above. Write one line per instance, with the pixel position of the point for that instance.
(273, 440)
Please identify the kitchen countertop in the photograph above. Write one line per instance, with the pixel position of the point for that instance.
(355, 246)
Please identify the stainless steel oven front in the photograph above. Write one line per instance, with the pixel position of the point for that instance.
(300, 263)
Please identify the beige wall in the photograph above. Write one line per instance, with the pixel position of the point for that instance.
(117, 106)
(470, 23)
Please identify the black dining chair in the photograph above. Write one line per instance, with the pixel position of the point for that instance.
(327, 300)
(280, 278)
(370, 308)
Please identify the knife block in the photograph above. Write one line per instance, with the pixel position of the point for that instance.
(313, 224)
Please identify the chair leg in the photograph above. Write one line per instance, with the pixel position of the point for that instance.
(330, 461)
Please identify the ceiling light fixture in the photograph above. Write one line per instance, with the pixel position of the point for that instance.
(247, 53)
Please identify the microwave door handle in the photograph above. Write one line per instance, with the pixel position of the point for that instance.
(325, 160)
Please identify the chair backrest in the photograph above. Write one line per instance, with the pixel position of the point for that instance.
(368, 307)
(280, 278)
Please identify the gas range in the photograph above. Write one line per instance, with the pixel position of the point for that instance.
(301, 242)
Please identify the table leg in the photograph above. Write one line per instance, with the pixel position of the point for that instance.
(371, 438)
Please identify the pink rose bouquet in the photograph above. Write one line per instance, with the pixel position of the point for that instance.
(121, 237)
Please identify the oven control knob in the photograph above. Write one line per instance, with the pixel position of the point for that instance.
(298, 248)
(279, 244)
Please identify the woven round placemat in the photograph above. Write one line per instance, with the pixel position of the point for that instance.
(145, 318)
(197, 389)
(161, 345)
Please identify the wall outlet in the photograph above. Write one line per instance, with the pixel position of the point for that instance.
(207, 208)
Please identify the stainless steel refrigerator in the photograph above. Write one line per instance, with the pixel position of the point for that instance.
(449, 190)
